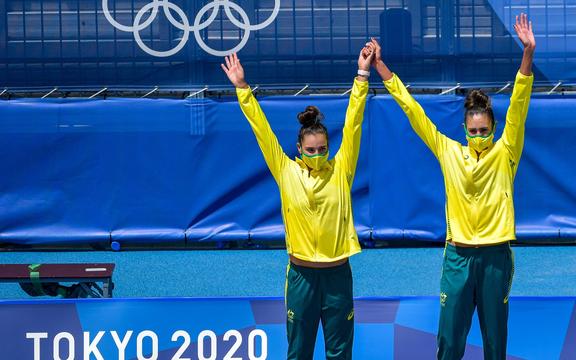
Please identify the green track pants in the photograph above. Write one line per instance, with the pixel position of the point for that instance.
(314, 295)
(475, 278)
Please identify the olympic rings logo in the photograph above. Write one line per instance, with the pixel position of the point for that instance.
(185, 26)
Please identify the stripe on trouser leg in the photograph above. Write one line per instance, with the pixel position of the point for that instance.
(286, 287)
(511, 277)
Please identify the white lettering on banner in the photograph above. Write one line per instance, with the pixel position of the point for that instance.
(139, 345)
(57, 339)
(121, 344)
(91, 347)
(263, 347)
(177, 335)
(238, 336)
(37, 337)
(213, 350)
(207, 344)
(196, 27)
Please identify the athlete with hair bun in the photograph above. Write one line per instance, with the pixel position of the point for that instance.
(479, 181)
(317, 213)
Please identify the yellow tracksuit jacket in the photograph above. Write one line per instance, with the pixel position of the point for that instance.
(316, 205)
(479, 190)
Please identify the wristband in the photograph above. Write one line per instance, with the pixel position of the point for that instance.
(363, 73)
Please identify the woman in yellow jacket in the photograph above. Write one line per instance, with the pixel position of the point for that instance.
(478, 262)
(317, 213)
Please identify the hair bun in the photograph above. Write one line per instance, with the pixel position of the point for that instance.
(476, 99)
(310, 116)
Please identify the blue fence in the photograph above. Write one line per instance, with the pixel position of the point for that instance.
(180, 42)
(142, 170)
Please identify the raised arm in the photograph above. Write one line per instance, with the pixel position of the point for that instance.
(421, 124)
(347, 155)
(513, 135)
(273, 153)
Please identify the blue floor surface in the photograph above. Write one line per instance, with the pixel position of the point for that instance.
(540, 271)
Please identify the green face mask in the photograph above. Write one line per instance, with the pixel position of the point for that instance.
(315, 162)
(478, 142)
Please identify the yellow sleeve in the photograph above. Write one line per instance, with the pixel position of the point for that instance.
(513, 135)
(347, 155)
(271, 149)
(421, 124)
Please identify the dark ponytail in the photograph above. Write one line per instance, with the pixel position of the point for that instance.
(311, 121)
(477, 102)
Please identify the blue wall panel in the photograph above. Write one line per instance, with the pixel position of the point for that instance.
(174, 170)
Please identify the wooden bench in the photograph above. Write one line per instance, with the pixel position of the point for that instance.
(87, 275)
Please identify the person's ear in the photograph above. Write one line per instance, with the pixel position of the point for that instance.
(299, 147)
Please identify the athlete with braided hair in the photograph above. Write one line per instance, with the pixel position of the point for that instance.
(479, 182)
(317, 213)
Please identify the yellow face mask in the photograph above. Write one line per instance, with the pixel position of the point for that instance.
(315, 162)
(479, 143)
